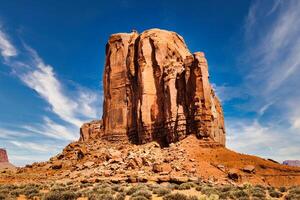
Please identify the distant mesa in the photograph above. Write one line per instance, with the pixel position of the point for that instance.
(4, 162)
(3, 155)
(295, 163)
(155, 89)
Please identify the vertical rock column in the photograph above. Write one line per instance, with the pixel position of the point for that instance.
(116, 95)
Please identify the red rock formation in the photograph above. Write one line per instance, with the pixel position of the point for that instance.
(3, 156)
(155, 89)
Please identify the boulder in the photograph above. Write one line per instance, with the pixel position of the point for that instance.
(249, 169)
(233, 174)
(162, 168)
(56, 165)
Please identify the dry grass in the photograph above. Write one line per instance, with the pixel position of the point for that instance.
(125, 191)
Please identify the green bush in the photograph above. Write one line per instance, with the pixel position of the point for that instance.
(240, 194)
(294, 193)
(193, 197)
(55, 195)
(145, 193)
(209, 191)
(138, 198)
(282, 189)
(225, 188)
(186, 186)
(161, 191)
(134, 189)
(120, 196)
(258, 192)
(213, 197)
(176, 196)
(95, 196)
(275, 194)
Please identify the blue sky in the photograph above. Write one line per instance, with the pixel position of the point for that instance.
(52, 57)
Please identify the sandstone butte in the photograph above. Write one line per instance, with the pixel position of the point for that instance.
(3, 156)
(4, 162)
(155, 89)
(161, 122)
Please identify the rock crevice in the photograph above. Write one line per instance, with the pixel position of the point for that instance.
(156, 90)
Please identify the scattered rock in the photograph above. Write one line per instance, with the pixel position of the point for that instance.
(233, 174)
(221, 167)
(88, 164)
(249, 169)
(163, 167)
(56, 166)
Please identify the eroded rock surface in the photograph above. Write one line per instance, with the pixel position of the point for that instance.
(3, 156)
(156, 90)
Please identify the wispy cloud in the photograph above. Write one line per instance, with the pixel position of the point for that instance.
(73, 107)
(9, 134)
(31, 146)
(272, 35)
(53, 130)
(265, 140)
(6, 48)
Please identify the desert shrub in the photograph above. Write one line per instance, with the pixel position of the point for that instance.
(134, 189)
(225, 195)
(31, 192)
(173, 186)
(225, 188)
(161, 191)
(193, 197)
(97, 196)
(258, 192)
(104, 190)
(213, 197)
(175, 196)
(55, 195)
(294, 193)
(145, 193)
(238, 194)
(198, 188)
(138, 198)
(282, 189)
(120, 196)
(295, 190)
(209, 191)
(246, 186)
(202, 197)
(275, 194)
(117, 188)
(186, 186)
(260, 187)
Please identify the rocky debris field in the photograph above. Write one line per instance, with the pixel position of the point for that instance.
(191, 159)
(97, 160)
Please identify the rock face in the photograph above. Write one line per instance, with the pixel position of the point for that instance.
(295, 163)
(3, 156)
(156, 90)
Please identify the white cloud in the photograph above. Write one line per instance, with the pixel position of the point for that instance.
(6, 48)
(226, 93)
(8, 134)
(72, 107)
(268, 141)
(31, 146)
(53, 130)
(272, 71)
